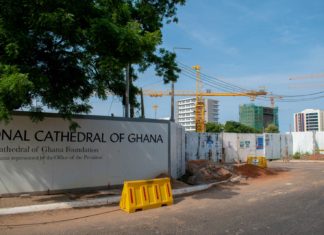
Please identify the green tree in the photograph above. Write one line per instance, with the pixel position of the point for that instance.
(61, 52)
(214, 127)
(271, 128)
(236, 127)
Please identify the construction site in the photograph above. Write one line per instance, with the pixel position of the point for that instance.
(161, 117)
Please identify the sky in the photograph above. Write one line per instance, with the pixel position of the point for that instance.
(251, 44)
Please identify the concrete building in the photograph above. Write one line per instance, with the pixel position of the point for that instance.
(309, 120)
(185, 112)
(258, 117)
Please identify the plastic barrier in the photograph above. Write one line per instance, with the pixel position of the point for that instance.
(260, 161)
(146, 194)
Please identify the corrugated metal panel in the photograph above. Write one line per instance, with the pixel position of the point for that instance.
(191, 144)
(272, 148)
(230, 147)
(247, 146)
(286, 145)
(177, 150)
(203, 146)
(238, 146)
(259, 145)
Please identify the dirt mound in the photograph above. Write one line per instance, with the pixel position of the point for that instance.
(195, 165)
(253, 171)
(204, 171)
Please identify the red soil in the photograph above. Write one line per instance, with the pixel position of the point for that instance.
(255, 171)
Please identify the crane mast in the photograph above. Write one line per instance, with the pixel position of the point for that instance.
(200, 103)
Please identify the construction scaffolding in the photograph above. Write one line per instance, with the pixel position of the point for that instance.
(258, 117)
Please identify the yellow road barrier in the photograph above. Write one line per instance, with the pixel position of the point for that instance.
(260, 161)
(146, 194)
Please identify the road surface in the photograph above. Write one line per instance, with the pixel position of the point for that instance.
(291, 202)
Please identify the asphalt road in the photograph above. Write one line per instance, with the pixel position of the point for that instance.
(291, 202)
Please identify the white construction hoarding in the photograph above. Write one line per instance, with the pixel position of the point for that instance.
(177, 147)
(272, 148)
(48, 156)
(206, 146)
(319, 143)
(238, 146)
(303, 142)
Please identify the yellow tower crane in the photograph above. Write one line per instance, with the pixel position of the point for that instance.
(159, 93)
(200, 104)
(200, 118)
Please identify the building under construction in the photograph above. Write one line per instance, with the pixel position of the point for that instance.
(258, 117)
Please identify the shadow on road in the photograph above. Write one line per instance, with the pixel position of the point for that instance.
(223, 191)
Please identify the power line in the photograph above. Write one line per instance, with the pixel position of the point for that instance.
(188, 72)
(213, 80)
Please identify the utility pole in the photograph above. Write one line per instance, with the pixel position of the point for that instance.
(142, 105)
(172, 102)
(131, 112)
(127, 92)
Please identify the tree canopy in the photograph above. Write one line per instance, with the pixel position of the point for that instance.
(236, 127)
(230, 126)
(214, 127)
(271, 128)
(63, 52)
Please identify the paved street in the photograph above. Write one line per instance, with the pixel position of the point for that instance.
(291, 202)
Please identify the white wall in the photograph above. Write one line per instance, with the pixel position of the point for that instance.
(308, 141)
(115, 155)
(191, 143)
(272, 149)
(238, 146)
(319, 144)
(286, 145)
(302, 142)
(259, 144)
(203, 146)
(246, 146)
(177, 150)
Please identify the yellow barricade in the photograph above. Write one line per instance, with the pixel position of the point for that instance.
(260, 161)
(146, 194)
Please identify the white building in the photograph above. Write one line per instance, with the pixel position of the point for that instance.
(309, 120)
(185, 112)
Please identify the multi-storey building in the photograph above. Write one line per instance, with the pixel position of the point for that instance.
(185, 112)
(309, 120)
(258, 117)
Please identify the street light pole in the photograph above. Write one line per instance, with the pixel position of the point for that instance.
(155, 107)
